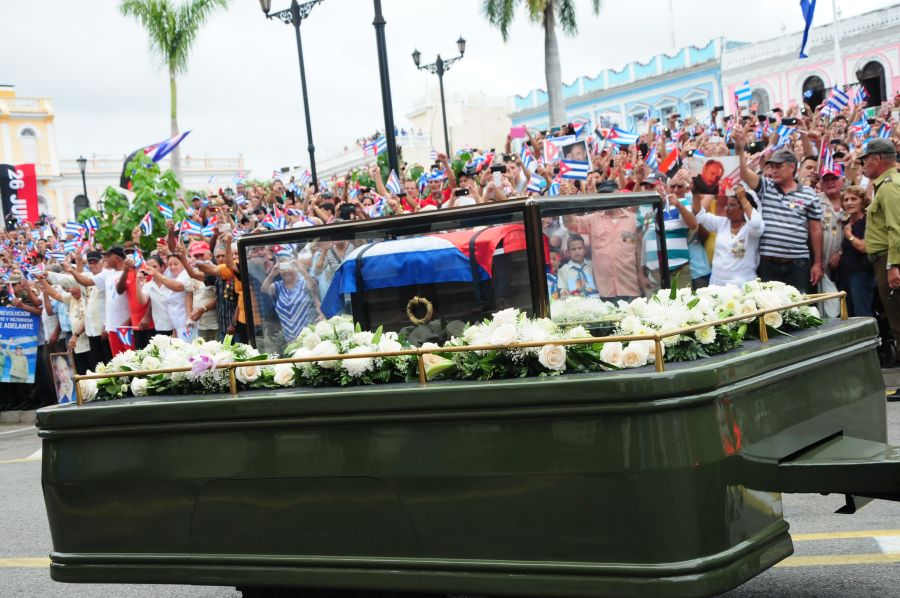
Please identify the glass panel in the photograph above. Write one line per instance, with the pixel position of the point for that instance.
(604, 252)
(417, 279)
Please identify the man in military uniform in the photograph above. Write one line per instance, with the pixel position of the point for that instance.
(879, 164)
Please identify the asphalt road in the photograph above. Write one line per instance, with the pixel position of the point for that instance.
(835, 555)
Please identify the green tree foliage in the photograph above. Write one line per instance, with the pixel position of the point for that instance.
(121, 215)
(500, 13)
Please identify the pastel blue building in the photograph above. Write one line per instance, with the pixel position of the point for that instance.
(688, 83)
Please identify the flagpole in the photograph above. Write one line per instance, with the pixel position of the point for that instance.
(838, 57)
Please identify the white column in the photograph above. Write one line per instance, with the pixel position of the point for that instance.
(838, 57)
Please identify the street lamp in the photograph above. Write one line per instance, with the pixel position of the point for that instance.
(82, 166)
(384, 76)
(294, 16)
(439, 67)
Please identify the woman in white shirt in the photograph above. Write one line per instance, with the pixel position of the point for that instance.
(150, 289)
(176, 302)
(737, 238)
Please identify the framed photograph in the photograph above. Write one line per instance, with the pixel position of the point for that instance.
(62, 366)
(576, 151)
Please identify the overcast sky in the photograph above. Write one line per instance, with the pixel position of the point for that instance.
(241, 94)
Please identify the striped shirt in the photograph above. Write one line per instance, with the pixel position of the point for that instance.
(787, 217)
(676, 236)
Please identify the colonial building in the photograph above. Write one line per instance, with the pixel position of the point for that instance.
(686, 83)
(870, 52)
(27, 136)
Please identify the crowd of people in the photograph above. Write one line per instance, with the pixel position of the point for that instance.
(814, 201)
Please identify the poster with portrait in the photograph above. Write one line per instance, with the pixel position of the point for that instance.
(713, 175)
(62, 365)
(576, 151)
(18, 345)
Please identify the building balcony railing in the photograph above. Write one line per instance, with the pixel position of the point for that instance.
(188, 164)
(26, 104)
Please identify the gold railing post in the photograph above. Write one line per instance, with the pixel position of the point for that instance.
(658, 359)
(844, 313)
(232, 381)
(78, 400)
(763, 332)
(420, 358)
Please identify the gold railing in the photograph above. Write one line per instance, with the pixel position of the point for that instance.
(657, 338)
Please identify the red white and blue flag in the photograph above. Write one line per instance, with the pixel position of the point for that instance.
(393, 183)
(620, 137)
(574, 169)
(147, 224)
(167, 211)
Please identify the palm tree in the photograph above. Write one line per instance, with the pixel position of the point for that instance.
(172, 30)
(501, 13)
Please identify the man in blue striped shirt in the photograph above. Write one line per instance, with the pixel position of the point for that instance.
(792, 214)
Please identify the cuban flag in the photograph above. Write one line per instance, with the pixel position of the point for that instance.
(527, 158)
(138, 258)
(784, 135)
(838, 99)
(862, 96)
(91, 224)
(126, 336)
(552, 150)
(240, 199)
(620, 137)
(191, 227)
(536, 183)
(75, 230)
(377, 147)
(827, 162)
(57, 255)
(393, 183)
(807, 7)
(885, 131)
(164, 148)
(376, 210)
(210, 228)
(147, 225)
(580, 127)
(212, 179)
(553, 190)
(401, 262)
(277, 175)
(238, 178)
(305, 178)
(488, 158)
(274, 222)
(742, 94)
(574, 169)
(70, 246)
(167, 211)
(433, 155)
(698, 154)
(861, 127)
(651, 159)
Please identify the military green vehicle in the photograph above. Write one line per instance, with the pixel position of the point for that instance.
(617, 483)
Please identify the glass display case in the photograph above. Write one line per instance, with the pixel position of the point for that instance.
(428, 274)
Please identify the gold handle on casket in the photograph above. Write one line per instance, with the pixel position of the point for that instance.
(415, 302)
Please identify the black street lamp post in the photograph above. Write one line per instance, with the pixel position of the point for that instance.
(439, 67)
(386, 103)
(294, 16)
(82, 166)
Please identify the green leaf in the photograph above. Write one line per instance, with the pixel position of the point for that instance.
(693, 303)
(376, 338)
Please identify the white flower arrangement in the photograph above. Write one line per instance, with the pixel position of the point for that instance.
(577, 310)
(496, 337)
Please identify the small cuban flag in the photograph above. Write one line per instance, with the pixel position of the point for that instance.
(743, 94)
(393, 183)
(126, 336)
(536, 183)
(191, 227)
(651, 160)
(527, 158)
(147, 224)
(553, 190)
(167, 211)
(433, 155)
(574, 169)
(138, 258)
(238, 178)
(377, 147)
(91, 224)
(305, 179)
(74, 229)
(210, 227)
(580, 127)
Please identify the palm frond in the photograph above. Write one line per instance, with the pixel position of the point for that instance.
(500, 14)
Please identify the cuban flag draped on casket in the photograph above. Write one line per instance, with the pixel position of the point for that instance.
(430, 259)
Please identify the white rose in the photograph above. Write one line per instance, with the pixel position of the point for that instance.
(326, 348)
(812, 311)
(611, 353)
(247, 373)
(746, 308)
(362, 338)
(88, 389)
(531, 332)
(471, 333)
(546, 324)
(635, 355)
(507, 316)
(173, 359)
(504, 334)
(630, 324)
(430, 359)
(311, 340)
(553, 357)
(768, 300)
(706, 335)
(389, 345)
(578, 332)
(647, 348)
(358, 367)
(212, 346)
(773, 319)
(151, 363)
(344, 327)
(324, 329)
(139, 387)
(284, 374)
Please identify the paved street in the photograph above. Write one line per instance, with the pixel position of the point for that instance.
(836, 555)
